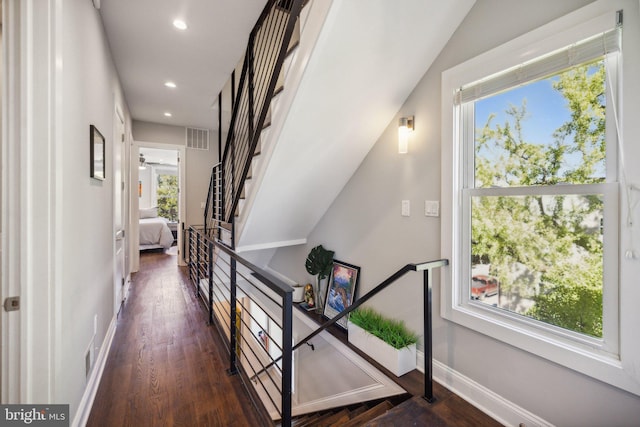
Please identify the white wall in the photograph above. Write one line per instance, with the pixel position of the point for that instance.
(88, 85)
(365, 228)
(61, 246)
(198, 163)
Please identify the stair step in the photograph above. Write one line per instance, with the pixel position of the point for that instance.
(357, 411)
(369, 415)
(309, 420)
(333, 419)
(293, 46)
(277, 90)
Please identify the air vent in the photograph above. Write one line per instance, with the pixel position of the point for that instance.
(198, 139)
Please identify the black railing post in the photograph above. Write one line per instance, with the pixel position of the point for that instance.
(287, 357)
(233, 362)
(251, 86)
(428, 345)
(220, 126)
(198, 263)
(211, 267)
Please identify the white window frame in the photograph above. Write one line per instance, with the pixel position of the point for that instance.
(615, 359)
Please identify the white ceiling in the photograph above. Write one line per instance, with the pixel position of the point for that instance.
(148, 51)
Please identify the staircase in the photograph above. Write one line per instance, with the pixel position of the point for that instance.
(353, 67)
(295, 134)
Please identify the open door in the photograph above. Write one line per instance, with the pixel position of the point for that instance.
(119, 206)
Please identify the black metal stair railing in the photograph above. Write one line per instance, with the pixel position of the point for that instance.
(426, 268)
(266, 51)
(231, 286)
(235, 293)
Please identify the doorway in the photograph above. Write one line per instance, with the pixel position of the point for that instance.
(159, 172)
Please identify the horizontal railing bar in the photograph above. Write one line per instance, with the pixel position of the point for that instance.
(272, 283)
(253, 285)
(395, 276)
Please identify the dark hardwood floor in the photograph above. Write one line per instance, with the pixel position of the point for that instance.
(166, 367)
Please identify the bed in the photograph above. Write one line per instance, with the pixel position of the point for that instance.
(154, 230)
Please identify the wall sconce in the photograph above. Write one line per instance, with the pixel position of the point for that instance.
(143, 163)
(405, 127)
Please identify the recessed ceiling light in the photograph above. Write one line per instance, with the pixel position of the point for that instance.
(180, 24)
(167, 114)
(172, 85)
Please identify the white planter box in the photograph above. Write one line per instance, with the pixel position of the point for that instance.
(397, 361)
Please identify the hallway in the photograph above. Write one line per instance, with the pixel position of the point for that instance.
(166, 367)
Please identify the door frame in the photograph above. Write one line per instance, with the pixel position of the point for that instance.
(134, 204)
(120, 142)
(31, 172)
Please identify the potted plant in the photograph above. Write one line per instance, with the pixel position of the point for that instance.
(319, 263)
(298, 293)
(387, 341)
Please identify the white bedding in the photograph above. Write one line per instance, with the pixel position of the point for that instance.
(155, 233)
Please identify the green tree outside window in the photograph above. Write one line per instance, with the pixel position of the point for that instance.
(557, 238)
(167, 194)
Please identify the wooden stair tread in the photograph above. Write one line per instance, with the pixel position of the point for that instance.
(418, 412)
(310, 420)
(369, 414)
(334, 419)
(292, 47)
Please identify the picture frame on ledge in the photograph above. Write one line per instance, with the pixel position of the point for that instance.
(341, 290)
(97, 154)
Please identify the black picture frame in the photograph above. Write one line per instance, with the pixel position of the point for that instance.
(97, 158)
(341, 290)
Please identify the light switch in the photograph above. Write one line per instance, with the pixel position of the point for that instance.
(406, 208)
(431, 208)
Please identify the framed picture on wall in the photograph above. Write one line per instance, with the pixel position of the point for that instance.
(97, 153)
(341, 290)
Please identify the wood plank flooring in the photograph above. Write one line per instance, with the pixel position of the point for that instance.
(166, 366)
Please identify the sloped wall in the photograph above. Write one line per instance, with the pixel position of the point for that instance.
(365, 228)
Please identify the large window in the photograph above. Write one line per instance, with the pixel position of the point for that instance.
(535, 196)
(531, 194)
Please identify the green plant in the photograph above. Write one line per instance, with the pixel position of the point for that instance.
(319, 262)
(393, 332)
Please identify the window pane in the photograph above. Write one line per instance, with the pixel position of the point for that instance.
(548, 132)
(167, 194)
(540, 257)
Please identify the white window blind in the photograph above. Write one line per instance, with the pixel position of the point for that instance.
(575, 54)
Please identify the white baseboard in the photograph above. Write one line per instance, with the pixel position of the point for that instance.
(86, 403)
(492, 404)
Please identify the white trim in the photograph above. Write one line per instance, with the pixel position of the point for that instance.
(497, 407)
(86, 403)
(134, 202)
(280, 276)
(271, 245)
(622, 371)
(11, 253)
